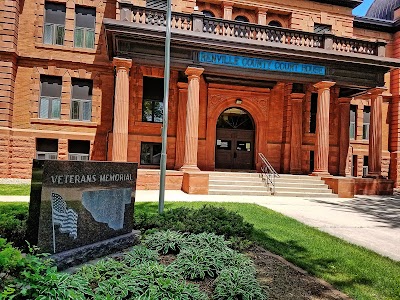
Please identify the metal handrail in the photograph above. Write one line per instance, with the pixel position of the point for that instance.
(268, 173)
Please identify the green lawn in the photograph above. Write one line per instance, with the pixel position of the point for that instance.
(15, 189)
(360, 273)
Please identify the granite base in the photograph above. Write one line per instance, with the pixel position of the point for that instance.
(77, 256)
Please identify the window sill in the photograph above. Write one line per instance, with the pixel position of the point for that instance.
(65, 48)
(63, 122)
(361, 142)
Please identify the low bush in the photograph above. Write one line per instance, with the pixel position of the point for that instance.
(206, 219)
(237, 283)
(13, 218)
(165, 241)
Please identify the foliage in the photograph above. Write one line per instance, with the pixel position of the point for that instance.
(165, 241)
(237, 283)
(205, 219)
(13, 218)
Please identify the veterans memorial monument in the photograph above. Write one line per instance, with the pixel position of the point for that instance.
(81, 210)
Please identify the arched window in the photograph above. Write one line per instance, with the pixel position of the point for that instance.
(275, 23)
(208, 13)
(241, 19)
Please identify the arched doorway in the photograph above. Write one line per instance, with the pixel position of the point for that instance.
(234, 147)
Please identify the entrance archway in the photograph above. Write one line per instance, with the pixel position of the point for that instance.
(234, 147)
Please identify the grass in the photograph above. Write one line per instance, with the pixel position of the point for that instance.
(358, 272)
(15, 189)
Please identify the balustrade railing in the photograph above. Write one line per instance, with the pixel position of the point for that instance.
(268, 173)
(197, 22)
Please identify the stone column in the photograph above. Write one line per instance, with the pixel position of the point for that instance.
(344, 141)
(228, 8)
(297, 133)
(322, 130)
(262, 17)
(375, 133)
(192, 119)
(121, 109)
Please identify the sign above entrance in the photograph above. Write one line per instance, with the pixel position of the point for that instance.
(260, 64)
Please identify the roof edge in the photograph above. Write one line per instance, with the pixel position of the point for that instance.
(375, 24)
(346, 3)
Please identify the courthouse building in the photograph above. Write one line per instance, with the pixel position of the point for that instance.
(304, 82)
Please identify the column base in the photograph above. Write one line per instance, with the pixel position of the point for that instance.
(321, 174)
(195, 183)
(189, 168)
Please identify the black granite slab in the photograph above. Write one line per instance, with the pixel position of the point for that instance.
(76, 203)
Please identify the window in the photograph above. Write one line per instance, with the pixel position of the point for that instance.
(322, 28)
(78, 150)
(54, 23)
(46, 148)
(153, 94)
(365, 166)
(313, 112)
(81, 102)
(85, 20)
(241, 19)
(157, 4)
(50, 97)
(354, 166)
(311, 161)
(353, 118)
(208, 13)
(366, 120)
(275, 23)
(150, 154)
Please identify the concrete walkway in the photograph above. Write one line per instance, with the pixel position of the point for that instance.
(369, 221)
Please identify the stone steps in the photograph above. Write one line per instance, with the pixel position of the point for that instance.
(251, 184)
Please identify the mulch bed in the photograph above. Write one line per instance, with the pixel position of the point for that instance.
(280, 279)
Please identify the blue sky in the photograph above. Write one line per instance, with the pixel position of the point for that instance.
(362, 9)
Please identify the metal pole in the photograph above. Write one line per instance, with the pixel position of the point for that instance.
(163, 161)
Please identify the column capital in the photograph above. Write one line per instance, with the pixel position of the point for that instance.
(323, 85)
(122, 63)
(194, 72)
(297, 96)
(262, 10)
(344, 100)
(227, 4)
(377, 91)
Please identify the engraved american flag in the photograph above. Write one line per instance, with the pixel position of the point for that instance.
(65, 217)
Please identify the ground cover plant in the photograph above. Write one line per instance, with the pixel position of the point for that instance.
(13, 218)
(358, 272)
(15, 189)
(137, 274)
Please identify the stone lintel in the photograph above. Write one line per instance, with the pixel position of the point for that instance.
(297, 96)
(377, 91)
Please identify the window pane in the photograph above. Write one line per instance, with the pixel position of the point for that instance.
(147, 111)
(60, 35)
(55, 13)
(75, 110)
(87, 111)
(158, 111)
(352, 130)
(50, 86)
(48, 34)
(85, 17)
(82, 89)
(89, 38)
(145, 154)
(55, 108)
(44, 108)
(366, 131)
(156, 154)
(78, 41)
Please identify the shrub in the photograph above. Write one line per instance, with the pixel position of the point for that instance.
(206, 219)
(237, 283)
(13, 223)
(165, 241)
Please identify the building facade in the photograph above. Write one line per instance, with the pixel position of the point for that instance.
(303, 82)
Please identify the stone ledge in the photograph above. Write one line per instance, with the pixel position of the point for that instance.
(78, 256)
